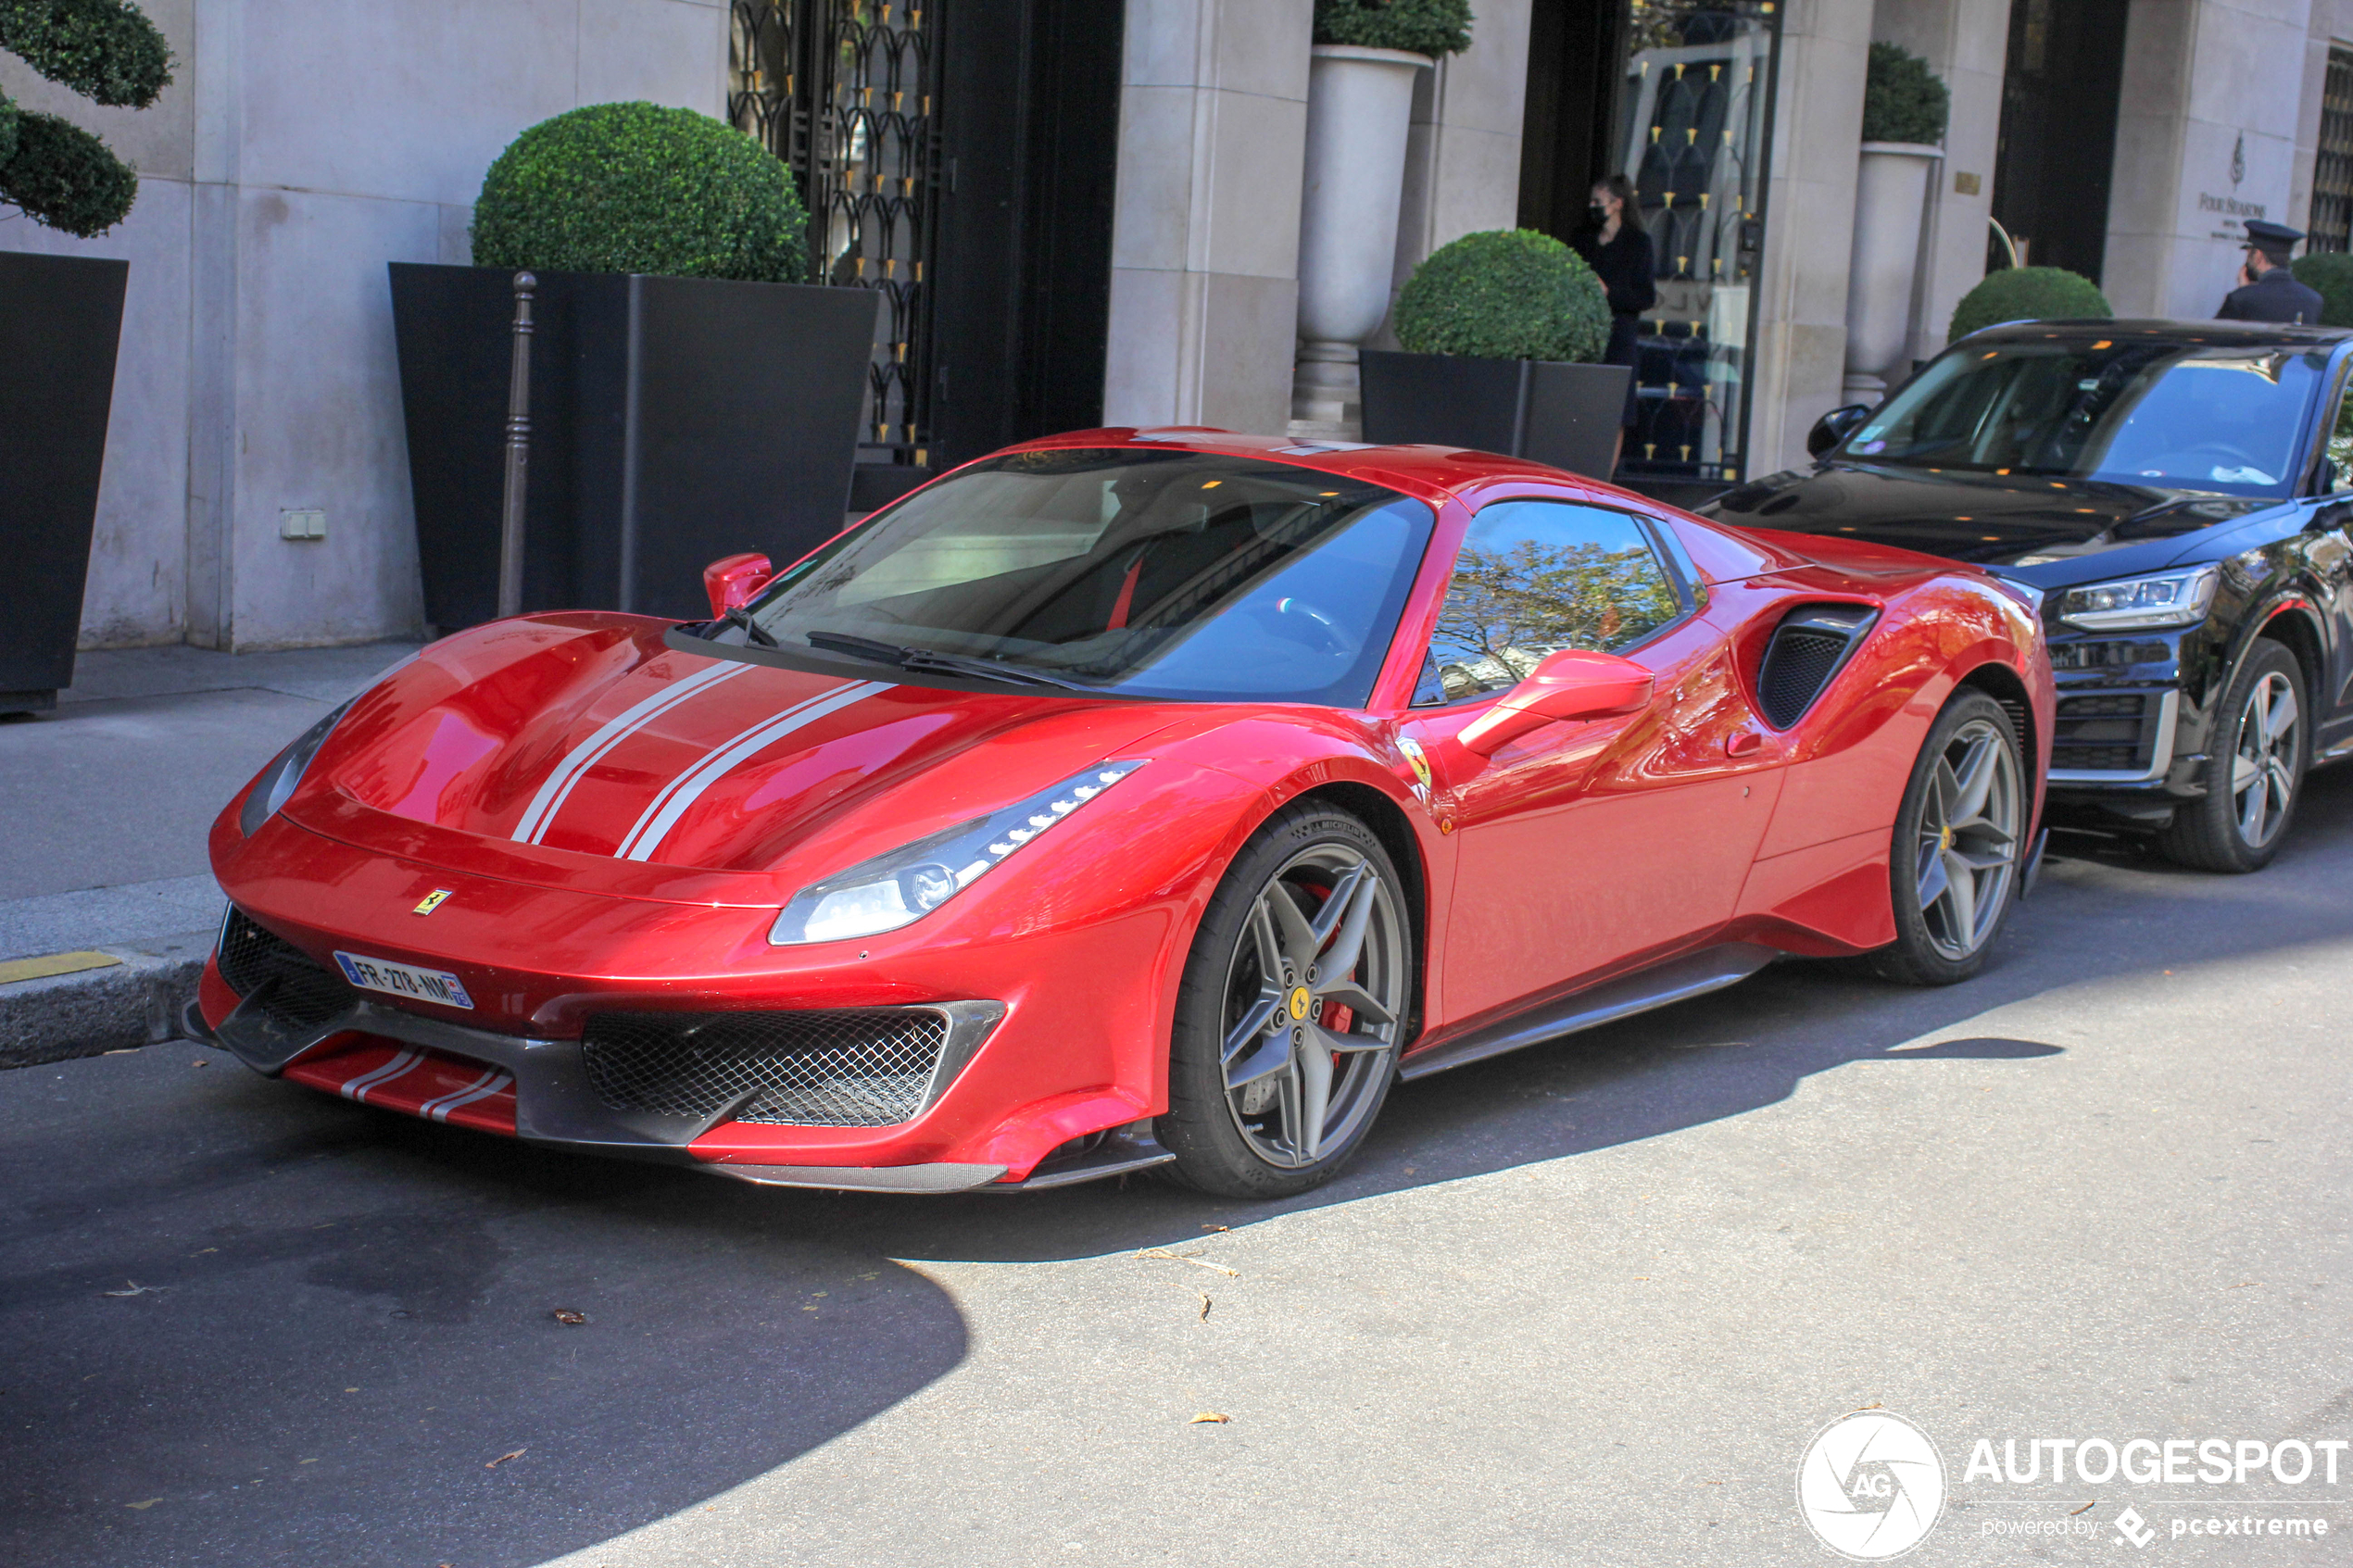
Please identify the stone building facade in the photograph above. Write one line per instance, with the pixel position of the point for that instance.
(300, 148)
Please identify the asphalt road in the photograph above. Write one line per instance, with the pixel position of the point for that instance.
(1583, 1305)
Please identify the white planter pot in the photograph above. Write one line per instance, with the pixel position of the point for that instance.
(1360, 105)
(1891, 195)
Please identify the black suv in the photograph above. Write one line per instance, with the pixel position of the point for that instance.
(2181, 493)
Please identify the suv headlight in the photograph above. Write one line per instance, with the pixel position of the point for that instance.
(2164, 598)
(893, 890)
(277, 782)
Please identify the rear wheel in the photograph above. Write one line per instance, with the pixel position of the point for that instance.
(1291, 1010)
(2253, 772)
(1959, 838)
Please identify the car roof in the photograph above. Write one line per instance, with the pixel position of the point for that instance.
(2209, 335)
(1430, 473)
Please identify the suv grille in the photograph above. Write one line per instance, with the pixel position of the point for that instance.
(867, 1067)
(301, 995)
(2111, 734)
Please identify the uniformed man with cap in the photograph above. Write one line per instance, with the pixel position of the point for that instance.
(2268, 291)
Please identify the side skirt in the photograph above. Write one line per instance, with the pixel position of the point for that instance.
(1694, 975)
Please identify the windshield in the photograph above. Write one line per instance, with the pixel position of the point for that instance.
(2178, 415)
(1173, 574)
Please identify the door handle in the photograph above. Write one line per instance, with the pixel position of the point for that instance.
(1741, 743)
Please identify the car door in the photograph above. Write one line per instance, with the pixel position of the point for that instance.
(2325, 542)
(1584, 846)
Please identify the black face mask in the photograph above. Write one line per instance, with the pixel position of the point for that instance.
(1598, 214)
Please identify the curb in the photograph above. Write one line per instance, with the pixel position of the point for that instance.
(135, 1002)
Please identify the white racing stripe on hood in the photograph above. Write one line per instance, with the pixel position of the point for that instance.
(688, 788)
(577, 763)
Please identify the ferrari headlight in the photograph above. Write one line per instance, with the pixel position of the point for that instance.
(2164, 598)
(278, 781)
(892, 890)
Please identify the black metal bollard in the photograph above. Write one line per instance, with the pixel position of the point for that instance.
(518, 453)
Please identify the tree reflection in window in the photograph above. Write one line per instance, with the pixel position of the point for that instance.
(1593, 584)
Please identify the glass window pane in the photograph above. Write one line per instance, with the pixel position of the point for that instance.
(1534, 577)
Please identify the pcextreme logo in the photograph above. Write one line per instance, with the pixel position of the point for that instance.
(1871, 1485)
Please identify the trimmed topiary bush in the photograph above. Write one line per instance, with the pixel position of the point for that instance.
(1418, 26)
(2331, 272)
(640, 188)
(2028, 294)
(1506, 293)
(108, 52)
(1903, 99)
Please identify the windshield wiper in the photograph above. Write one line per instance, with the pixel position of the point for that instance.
(736, 615)
(927, 660)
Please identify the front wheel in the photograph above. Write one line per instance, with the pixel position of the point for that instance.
(1959, 835)
(1292, 1009)
(2253, 770)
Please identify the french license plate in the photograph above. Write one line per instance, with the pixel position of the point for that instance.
(405, 980)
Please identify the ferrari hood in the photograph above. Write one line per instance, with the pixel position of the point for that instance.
(585, 734)
(2017, 521)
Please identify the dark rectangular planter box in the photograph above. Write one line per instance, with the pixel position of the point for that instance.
(1546, 411)
(60, 322)
(673, 421)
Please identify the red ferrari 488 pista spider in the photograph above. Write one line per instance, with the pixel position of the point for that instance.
(1125, 798)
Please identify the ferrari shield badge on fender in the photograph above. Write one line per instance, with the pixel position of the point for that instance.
(1420, 760)
(431, 900)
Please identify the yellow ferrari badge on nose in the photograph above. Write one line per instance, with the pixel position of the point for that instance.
(431, 900)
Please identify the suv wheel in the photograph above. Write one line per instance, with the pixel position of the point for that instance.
(2253, 772)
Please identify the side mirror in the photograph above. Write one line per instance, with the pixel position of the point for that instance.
(1835, 427)
(1571, 683)
(734, 580)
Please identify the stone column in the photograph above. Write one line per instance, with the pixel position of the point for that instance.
(1205, 291)
(1800, 364)
(1462, 154)
(2207, 137)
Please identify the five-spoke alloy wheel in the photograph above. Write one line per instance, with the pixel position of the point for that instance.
(1295, 1002)
(1959, 836)
(2255, 765)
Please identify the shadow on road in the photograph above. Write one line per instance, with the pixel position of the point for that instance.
(342, 1318)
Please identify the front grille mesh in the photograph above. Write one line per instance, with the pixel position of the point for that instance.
(300, 995)
(1795, 667)
(867, 1067)
(2111, 732)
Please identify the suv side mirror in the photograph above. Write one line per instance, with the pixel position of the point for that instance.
(734, 580)
(1835, 427)
(1571, 683)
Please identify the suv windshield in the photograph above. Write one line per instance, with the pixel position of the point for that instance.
(2173, 414)
(1170, 574)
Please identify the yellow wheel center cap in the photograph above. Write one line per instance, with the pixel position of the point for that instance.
(1944, 836)
(1298, 1001)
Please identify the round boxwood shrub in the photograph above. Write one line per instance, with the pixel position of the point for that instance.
(2330, 271)
(1418, 26)
(106, 51)
(1506, 293)
(1903, 100)
(640, 188)
(2028, 294)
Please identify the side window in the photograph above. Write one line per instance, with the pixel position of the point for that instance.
(1534, 577)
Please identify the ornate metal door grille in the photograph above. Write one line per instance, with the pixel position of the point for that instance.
(2332, 221)
(845, 91)
(1694, 127)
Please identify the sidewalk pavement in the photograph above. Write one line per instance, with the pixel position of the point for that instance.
(106, 907)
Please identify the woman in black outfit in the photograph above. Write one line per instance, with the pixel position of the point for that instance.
(1614, 246)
